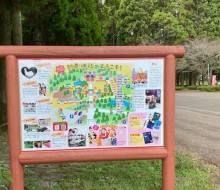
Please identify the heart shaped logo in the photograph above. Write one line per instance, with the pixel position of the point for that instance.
(29, 73)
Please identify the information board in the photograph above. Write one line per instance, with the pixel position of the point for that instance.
(91, 103)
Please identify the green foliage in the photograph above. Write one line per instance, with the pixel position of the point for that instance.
(180, 87)
(133, 21)
(169, 30)
(201, 88)
(116, 22)
(109, 20)
(5, 177)
(209, 88)
(63, 22)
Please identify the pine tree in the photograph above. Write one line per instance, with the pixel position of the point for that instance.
(133, 21)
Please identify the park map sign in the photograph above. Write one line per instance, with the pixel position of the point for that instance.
(91, 103)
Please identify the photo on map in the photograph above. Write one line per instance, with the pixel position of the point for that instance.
(152, 98)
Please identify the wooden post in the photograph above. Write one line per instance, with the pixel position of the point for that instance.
(168, 174)
(14, 123)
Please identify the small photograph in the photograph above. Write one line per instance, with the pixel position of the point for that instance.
(139, 77)
(35, 128)
(46, 144)
(42, 89)
(76, 139)
(38, 144)
(92, 135)
(29, 108)
(44, 122)
(106, 135)
(43, 129)
(29, 72)
(31, 127)
(60, 126)
(153, 121)
(28, 144)
(153, 98)
(147, 137)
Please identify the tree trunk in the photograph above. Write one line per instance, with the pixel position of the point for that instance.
(5, 39)
(182, 79)
(210, 80)
(5, 27)
(177, 79)
(193, 78)
(16, 26)
(203, 80)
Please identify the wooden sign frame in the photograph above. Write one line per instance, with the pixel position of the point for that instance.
(19, 158)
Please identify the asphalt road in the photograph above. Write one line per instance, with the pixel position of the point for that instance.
(198, 123)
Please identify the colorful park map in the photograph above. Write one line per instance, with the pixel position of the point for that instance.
(73, 103)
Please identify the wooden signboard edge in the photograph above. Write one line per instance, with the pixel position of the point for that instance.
(14, 139)
(18, 158)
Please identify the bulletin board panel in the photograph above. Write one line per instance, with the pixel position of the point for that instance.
(18, 76)
(91, 103)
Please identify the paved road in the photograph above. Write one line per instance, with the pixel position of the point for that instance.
(198, 123)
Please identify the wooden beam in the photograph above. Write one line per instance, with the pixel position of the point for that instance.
(91, 51)
(83, 155)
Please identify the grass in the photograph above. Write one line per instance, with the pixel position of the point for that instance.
(191, 174)
(201, 88)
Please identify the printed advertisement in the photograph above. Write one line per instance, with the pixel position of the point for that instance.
(91, 103)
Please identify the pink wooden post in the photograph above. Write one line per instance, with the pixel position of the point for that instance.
(169, 124)
(14, 123)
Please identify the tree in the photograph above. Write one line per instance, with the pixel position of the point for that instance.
(169, 30)
(107, 118)
(133, 21)
(64, 22)
(98, 121)
(84, 83)
(69, 77)
(109, 21)
(95, 115)
(203, 56)
(74, 78)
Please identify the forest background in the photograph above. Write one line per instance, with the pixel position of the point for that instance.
(192, 23)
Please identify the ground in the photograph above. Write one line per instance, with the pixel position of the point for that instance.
(197, 123)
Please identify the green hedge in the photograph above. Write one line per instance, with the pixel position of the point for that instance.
(209, 88)
(180, 87)
(192, 87)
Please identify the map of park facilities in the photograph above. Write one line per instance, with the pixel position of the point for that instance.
(91, 92)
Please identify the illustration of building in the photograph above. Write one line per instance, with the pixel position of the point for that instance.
(119, 98)
(89, 76)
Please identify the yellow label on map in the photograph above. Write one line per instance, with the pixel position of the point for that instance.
(135, 123)
(136, 139)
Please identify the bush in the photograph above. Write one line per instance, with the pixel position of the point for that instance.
(202, 88)
(192, 87)
(180, 87)
(209, 88)
(5, 177)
